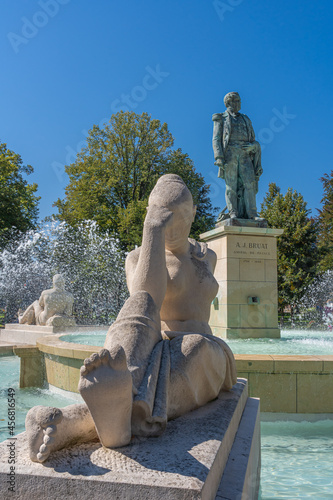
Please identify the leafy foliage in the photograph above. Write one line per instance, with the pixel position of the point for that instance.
(92, 263)
(18, 203)
(112, 177)
(298, 254)
(325, 222)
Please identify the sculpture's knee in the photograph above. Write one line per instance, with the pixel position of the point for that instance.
(205, 358)
(185, 347)
(196, 352)
(139, 303)
(30, 315)
(198, 368)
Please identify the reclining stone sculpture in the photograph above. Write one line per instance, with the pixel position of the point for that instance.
(54, 307)
(160, 359)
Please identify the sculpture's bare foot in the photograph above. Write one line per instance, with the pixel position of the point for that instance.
(41, 424)
(106, 387)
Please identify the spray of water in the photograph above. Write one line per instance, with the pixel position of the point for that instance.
(316, 305)
(92, 263)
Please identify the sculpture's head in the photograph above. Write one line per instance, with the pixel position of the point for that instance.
(59, 281)
(232, 102)
(171, 192)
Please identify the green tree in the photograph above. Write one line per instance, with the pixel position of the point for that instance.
(112, 177)
(18, 202)
(298, 254)
(325, 223)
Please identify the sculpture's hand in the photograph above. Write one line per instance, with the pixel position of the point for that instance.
(158, 217)
(219, 162)
(250, 147)
(259, 172)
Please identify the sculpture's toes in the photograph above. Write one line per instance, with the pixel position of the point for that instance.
(118, 358)
(48, 439)
(90, 364)
(115, 358)
(41, 425)
(104, 356)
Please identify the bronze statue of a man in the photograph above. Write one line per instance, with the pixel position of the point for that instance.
(238, 156)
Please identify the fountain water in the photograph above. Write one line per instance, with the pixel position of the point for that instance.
(302, 342)
(83, 255)
(24, 398)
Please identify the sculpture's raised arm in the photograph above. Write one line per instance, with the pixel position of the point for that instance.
(146, 270)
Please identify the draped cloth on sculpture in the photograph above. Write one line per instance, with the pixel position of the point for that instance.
(166, 367)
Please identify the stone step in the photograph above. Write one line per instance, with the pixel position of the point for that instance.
(28, 334)
(18, 326)
(56, 329)
(21, 336)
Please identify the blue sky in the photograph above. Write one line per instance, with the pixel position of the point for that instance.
(68, 64)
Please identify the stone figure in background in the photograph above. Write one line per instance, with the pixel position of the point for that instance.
(54, 307)
(160, 359)
(238, 156)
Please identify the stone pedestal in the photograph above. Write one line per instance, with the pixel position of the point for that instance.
(32, 366)
(210, 453)
(246, 270)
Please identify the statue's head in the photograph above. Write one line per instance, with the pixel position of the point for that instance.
(58, 281)
(171, 192)
(232, 101)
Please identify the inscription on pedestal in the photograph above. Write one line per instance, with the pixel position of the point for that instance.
(250, 248)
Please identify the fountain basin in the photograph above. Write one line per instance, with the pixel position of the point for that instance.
(285, 384)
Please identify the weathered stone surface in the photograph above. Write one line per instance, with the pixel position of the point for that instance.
(186, 462)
